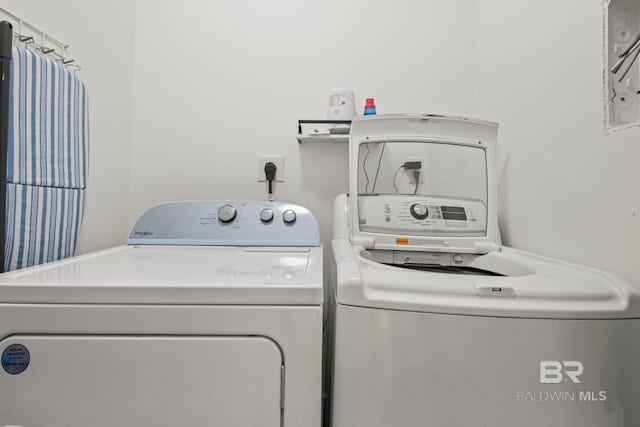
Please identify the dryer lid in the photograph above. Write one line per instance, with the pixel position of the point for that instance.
(173, 275)
(423, 182)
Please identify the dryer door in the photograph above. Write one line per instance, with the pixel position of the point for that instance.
(149, 381)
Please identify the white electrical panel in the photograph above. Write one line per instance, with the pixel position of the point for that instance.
(622, 58)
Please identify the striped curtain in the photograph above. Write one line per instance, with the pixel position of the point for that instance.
(47, 161)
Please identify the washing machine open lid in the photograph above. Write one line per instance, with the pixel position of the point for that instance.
(526, 285)
(180, 265)
(423, 183)
(447, 216)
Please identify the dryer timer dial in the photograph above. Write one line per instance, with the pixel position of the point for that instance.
(227, 213)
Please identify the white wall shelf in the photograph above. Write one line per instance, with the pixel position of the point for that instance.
(323, 131)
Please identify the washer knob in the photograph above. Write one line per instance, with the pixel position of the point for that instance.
(266, 215)
(419, 211)
(227, 213)
(289, 216)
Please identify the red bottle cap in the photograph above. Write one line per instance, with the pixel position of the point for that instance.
(369, 103)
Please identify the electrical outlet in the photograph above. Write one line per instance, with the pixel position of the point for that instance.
(278, 160)
(410, 174)
(416, 159)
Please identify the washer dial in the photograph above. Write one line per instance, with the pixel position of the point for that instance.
(227, 213)
(419, 211)
(266, 215)
(289, 216)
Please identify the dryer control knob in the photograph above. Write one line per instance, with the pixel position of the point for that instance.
(289, 216)
(227, 213)
(419, 211)
(266, 215)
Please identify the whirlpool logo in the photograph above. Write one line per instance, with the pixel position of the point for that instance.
(555, 372)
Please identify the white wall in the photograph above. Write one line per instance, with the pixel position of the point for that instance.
(566, 189)
(218, 83)
(101, 39)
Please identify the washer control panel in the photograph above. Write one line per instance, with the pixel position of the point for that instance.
(226, 223)
(421, 215)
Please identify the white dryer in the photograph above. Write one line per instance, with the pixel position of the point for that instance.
(437, 324)
(210, 316)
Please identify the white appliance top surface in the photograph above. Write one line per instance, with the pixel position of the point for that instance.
(533, 286)
(173, 275)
